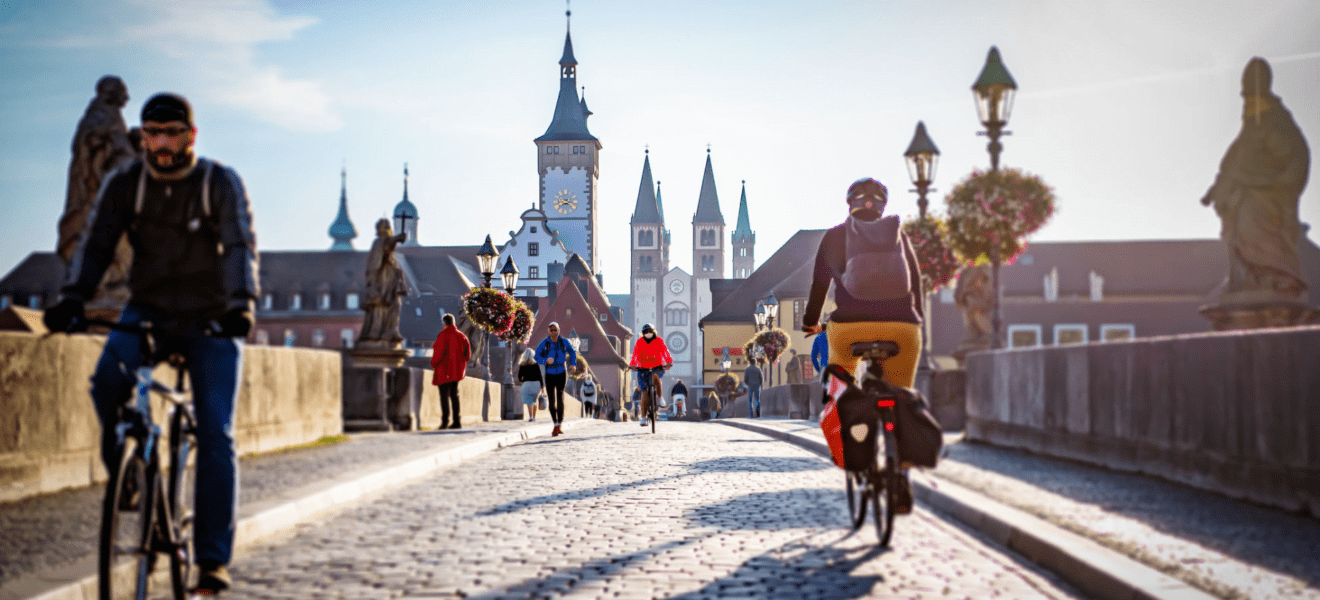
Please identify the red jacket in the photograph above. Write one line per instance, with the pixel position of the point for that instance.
(449, 355)
(648, 355)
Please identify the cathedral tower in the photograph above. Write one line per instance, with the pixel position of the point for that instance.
(744, 241)
(649, 260)
(567, 161)
(708, 230)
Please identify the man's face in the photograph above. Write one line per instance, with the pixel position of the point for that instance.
(167, 144)
(554, 333)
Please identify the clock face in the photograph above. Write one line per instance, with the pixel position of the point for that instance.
(565, 201)
(676, 341)
(676, 286)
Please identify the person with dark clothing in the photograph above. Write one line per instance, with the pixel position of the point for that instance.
(529, 376)
(679, 394)
(194, 274)
(449, 358)
(753, 378)
(555, 354)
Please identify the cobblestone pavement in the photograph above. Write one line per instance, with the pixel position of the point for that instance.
(55, 529)
(695, 511)
(1230, 548)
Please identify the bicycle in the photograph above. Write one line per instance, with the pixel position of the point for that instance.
(870, 422)
(137, 520)
(644, 380)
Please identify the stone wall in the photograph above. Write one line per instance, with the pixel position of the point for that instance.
(49, 434)
(1233, 412)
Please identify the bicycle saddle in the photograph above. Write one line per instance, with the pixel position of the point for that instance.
(879, 350)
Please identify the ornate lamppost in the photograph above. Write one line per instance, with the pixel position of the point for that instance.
(486, 258)
(922, 157)
(510, 276)
(994, 90)
(771, 311)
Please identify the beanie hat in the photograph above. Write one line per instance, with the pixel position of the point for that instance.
(165, 107)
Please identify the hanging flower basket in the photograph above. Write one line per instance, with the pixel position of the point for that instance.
(520, 330)
(726, 385)
(490, 309)
(929, 237)
(771, 343)
(999, 209)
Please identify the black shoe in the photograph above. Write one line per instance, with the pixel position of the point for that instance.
(214, 578)
(456, 426)
(903, 495)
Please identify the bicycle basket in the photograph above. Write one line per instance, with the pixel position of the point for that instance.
(849, 421)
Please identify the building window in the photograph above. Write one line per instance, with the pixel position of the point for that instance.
(645, 239)
(351, 302)
(568, 313)
(533, 249)
(1023, 336)
(533, 272)
(1097, 287)
(645, 264)
(604, 317)
(295, 302)
(797, 315)
(346, 337)
(708, 263)
(584, 344)
(533, 229)
(552, 149)
(1115, 332)
(318, 338)
(267, 301)
(708, 238)
(4, 301)
(34, 301)
(1070, 333)
(442, 311)
(417, 311)
(290, 338)
(325, 301)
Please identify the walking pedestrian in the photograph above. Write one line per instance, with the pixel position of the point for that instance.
(820, 349)
(449, 358)
(555, 354)
(679, 394)
(752, 378)
(529, 375)
(587, 392)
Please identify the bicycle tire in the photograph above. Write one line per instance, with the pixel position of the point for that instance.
(125, 534)
(856, 499)
(883, 501)
(650, 410)
(182, 495)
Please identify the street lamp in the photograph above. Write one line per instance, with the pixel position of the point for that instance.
(771, 311)
(510, 275)
(725, 361)
(759, 316)
(922, 157)
(994, 90)
(486, 258)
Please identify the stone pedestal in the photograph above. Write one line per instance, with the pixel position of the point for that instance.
(969, 346)
(948, 398)
(1257, 310)
(378, 393)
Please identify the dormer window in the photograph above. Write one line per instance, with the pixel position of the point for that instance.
(351, 302)
(267, 301)
(533, 249)
(325, 302)
(295, 302)
(533, 229)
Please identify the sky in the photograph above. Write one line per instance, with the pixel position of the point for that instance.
(1125, 107)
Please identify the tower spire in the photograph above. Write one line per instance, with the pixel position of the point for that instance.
(342, 230)
(405, 214)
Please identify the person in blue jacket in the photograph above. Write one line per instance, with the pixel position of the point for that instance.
(820, 350)
(555, 354)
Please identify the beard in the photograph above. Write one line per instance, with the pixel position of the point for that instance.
(176, 161)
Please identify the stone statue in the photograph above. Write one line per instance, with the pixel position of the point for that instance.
(101, 144)
(1256, 195)
(385, 288)
(974, 296)
(477, 340)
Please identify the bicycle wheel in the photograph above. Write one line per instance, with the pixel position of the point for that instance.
(125, 561)
(182, 494)
(650, 410)
(856, 498)
(882, 499)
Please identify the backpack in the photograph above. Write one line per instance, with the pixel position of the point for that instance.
(875, 267)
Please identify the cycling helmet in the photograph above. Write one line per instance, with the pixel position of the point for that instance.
(647, 327)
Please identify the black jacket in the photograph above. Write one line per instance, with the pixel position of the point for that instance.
(186, 265)
(529, 372)
(830, 260)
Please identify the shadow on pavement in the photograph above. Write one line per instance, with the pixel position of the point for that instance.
(1249, 533)
(788, 509)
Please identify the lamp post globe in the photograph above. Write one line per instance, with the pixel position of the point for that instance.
(759, 315)
(994, 91)
(486, 258)
(510, 275)
(922, 157)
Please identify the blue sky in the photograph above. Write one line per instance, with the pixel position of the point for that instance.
(1125, 107)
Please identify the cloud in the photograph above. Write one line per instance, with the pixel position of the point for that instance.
(217, 39)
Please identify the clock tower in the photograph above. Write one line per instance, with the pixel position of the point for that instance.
(568, 163)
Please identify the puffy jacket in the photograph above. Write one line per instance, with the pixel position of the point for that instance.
(652, 354)
(449, 355)
(561, 351)
(186, 264)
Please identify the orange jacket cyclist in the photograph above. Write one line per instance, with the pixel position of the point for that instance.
(651, 355)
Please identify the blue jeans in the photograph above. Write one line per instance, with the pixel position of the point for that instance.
(754, 401)
(214, 364)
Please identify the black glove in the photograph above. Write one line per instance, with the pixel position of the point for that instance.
(66, 317)
(237, 322)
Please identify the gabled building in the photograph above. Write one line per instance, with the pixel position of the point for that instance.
(534, 248)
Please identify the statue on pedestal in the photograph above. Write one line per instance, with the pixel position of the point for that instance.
(101, 144)
(477, 338)
(974, 296)
(385, 288)
(1256, 195)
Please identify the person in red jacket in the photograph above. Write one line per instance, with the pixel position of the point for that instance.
(650, 357)
(449, 358)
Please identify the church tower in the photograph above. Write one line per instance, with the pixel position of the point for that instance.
(342, 230)
(708, 230)
(744, 241)
(649, 260)
(405, 214)
(567, 160)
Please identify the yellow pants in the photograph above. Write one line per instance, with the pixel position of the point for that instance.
(900, 369)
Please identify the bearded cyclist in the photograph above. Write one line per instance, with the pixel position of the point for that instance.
(651, 358)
